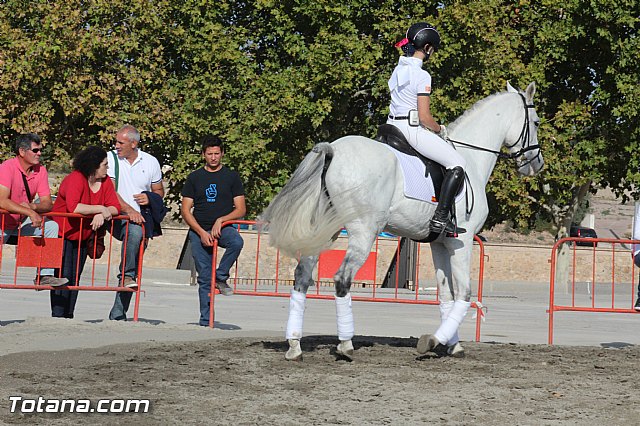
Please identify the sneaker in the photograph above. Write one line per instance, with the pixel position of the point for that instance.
(224, 289)
(129, 282)
(51, 280)
(637, 305)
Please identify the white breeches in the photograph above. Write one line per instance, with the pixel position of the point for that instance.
(429, 144)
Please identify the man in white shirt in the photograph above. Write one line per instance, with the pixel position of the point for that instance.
(134, 172)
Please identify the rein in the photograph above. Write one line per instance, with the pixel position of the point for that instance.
(524, 139)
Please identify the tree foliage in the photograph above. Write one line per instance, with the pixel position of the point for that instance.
(582, 56)
(274, 78)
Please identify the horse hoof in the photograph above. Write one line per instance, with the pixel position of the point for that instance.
(345, 349)
(426, 343)
(456, 351)
(295, 352)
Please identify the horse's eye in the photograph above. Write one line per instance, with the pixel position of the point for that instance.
(536, 123)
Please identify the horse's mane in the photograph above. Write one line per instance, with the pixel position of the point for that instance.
(475, 107)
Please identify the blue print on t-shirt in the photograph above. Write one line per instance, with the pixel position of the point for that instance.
(211, 193)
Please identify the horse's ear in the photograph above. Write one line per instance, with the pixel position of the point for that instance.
(510, 88)
(531, 90)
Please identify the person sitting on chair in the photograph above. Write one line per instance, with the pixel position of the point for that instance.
(86, 191)
(211, 196)
(410, 112)
(21, 179)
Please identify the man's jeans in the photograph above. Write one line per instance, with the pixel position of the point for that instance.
(28, 230)
(130, 261)
(232, 242)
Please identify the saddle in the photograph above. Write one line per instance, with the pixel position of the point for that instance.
(392, 136)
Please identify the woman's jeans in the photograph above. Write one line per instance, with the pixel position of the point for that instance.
(63, 302)
(232, 242)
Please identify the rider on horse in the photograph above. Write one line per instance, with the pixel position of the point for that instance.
(409, 111)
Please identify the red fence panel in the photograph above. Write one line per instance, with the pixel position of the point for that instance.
(32, 253)
(329, 261)
(600, 277)
(39, 252)
(263, 271)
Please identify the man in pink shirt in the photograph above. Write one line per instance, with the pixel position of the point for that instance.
(21, 178)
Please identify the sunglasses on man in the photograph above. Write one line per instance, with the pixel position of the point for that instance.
(34, 150)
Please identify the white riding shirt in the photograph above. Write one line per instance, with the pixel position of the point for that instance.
(407, 82)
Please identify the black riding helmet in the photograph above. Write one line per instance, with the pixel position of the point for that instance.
(422, 34)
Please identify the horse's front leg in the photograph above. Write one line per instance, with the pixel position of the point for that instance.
(452, 274)
(297, 301)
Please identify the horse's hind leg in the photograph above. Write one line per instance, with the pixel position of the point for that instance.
(361, 237)
(297, 301)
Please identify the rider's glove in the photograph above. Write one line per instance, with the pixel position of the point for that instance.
(443, 132)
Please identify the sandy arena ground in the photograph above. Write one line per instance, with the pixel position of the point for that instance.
(237, 374)
(246, 381)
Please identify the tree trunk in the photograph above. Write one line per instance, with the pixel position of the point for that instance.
(564, 223)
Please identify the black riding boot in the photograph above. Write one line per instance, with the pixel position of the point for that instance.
(441, 221)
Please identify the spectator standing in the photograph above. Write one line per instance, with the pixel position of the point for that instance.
(211, 196)
(21, 179)
(86, 191)
(636, 248)
(137, 177)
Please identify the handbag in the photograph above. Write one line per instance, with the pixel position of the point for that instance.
(95, 243)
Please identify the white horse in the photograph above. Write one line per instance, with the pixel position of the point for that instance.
(358, 183)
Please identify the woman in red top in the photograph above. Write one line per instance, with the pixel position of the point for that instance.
(86, 191)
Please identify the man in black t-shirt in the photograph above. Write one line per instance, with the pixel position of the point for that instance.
(211, 196)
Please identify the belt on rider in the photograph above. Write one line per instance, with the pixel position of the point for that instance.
(398, 117)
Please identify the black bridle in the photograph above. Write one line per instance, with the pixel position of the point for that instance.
(524, 139)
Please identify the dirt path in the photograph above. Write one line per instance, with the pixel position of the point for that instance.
(247, 381)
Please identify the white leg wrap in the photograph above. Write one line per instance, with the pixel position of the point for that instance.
(445, 308)
(296, 315)
(344, 316)
(449, 327)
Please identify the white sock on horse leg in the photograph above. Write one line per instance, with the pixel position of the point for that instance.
(344, 316)
(296, 315)
(449, 328)
(445, 308)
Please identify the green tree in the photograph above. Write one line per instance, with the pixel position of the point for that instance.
(274, 78)
(582, 56)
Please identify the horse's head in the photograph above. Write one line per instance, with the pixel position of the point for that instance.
(522, 139)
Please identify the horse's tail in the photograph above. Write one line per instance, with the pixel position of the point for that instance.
(301, 219)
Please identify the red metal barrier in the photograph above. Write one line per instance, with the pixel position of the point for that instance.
(601, 278)
(40, 252)
(329, 261)
(264, 271)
